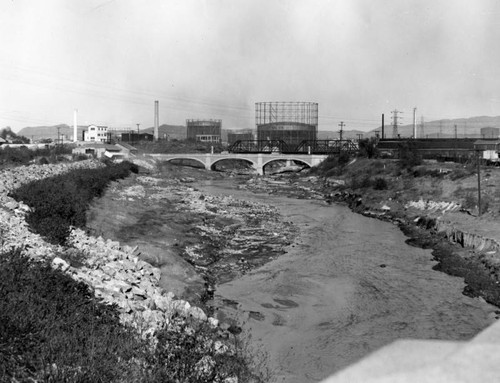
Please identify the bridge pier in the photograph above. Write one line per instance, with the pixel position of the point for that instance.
(208, 161)
(260, 166)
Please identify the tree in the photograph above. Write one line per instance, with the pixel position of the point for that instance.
(368, 147)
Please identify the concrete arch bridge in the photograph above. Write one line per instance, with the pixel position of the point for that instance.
(258, 160)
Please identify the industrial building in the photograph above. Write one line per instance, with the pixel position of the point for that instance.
(204, 130)
(240, 135)
(490, 132)
(96, 133)
(291, 122)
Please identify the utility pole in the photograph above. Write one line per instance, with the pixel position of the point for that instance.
(395, 123)
(58, 139)
(383, 126)
(138, 128)
(478, 182)
(440, 128)
(456, 136)
(341, 130)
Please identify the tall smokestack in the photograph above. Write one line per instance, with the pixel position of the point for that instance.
(383, 126)
(75, 126)
(414, 122)
(157, 119)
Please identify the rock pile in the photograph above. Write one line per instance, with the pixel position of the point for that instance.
(433, 206)
(119, 277)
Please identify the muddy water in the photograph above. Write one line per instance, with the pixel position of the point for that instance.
(347, 286)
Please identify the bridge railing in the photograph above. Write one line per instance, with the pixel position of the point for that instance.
(259, 146)
(305, 147)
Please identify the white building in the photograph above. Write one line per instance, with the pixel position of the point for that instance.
(96, 133)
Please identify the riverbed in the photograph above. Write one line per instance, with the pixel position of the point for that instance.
(346, 286)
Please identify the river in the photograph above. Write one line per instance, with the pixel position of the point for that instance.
(347, 286)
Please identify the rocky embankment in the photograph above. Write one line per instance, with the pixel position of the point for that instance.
(113, 271)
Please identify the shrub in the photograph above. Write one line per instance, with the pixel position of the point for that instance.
(368, 148)
(52, 329)
(408, 155)
(360, 181)
(380, 184)
(189, 351)
(62, 201)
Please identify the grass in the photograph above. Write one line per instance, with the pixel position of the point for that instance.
(52, 329)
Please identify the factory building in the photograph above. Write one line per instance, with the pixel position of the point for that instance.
(490, 132)
(291, 122)
(204, 130)
(96, 133)
(240, 135)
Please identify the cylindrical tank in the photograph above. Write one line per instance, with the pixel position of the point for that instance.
(292, 122)
(490, 132)
(204, 130)
(241, 134)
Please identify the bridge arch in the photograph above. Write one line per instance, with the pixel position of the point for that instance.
(232, 158)
(180, 158)
(302, 161)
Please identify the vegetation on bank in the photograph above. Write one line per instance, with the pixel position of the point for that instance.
(57, 203)
(24, 156)
(53, 329)
(407, 178)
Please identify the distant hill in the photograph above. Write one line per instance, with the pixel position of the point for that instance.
(62, 130)
(40, 132)
(465, 127)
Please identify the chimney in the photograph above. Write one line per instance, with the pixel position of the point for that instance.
(156, 132)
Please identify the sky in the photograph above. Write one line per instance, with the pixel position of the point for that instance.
(214, 59)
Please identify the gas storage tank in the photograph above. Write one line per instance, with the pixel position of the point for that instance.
(292, 122)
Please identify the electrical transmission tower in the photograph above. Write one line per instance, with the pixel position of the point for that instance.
(395, 123)
(421, 127)
(341, 129)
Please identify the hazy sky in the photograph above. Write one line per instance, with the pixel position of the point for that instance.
(111, 59)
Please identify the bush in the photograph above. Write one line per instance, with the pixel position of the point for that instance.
(52, 329)
(189, 351)
(62, 201)
(368, 148)
(408, 155)
(380, 184)
(333, 165)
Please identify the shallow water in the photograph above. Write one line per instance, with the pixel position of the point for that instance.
(347, 286)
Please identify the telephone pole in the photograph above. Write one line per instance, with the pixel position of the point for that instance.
(395, 123)
(138, 128)
(341, 129)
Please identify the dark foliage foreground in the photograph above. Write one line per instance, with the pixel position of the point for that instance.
(60, 202)
(51, 329)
